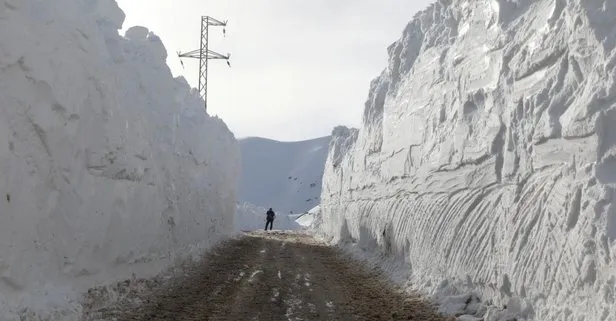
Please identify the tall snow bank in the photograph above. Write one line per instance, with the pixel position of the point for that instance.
(108, 165)
(487, 157)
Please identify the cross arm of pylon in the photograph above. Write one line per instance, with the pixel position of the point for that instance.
(191, 54)
(210, 55)
(213, 22)
(214, 55)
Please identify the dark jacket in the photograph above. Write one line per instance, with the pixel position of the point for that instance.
(270, 214)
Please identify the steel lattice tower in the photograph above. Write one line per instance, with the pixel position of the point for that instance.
(204, 54)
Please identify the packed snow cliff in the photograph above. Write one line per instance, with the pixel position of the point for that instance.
(487, 157)
(108, 165)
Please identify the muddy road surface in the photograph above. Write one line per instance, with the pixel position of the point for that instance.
(275, 276)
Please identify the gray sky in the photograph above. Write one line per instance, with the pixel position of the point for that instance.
(299, 67)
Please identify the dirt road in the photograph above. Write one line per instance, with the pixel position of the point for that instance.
(277, 276)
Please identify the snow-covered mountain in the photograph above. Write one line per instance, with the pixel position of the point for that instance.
(283, 175)
(487, 157)
(108, 165)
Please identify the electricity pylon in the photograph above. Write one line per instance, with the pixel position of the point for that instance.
(204, 54)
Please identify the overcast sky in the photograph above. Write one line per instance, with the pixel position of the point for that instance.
(299, 67)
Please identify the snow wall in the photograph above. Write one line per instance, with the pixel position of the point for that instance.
(108, 165)
(487, 156)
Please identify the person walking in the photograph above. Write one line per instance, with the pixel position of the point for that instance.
(270, 219)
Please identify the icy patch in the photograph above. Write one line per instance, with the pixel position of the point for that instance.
(312, 308)
(239, 277)
(251, 279)
(293, 307)
(275, 295)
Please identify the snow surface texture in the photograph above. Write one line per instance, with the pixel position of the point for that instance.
(108, 165)
(306, 220)
(487, 157)
(250, 217)
(283, 175)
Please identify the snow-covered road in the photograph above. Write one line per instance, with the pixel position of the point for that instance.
(272, 276)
